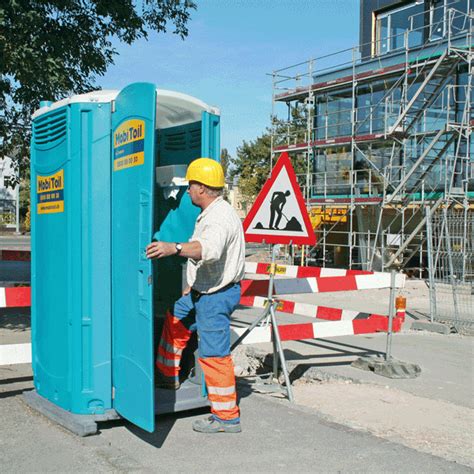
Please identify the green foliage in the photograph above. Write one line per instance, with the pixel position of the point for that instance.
(225, 161)
(50, 49)
(253, 163)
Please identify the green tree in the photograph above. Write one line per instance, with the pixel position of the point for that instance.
(253, 164)
(225, 161)
(53, 48)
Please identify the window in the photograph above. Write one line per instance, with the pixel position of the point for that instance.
(447, 15)
(428, 20)
(333, 117)
(392, 25)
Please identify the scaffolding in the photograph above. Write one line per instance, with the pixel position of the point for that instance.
(387, 141)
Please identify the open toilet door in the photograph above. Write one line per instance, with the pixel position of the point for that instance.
(133, 156)
(210, 136)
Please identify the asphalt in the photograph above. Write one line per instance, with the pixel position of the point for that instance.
(276, 437)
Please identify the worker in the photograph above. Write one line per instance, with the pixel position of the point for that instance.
(277, 203)
(216, 261)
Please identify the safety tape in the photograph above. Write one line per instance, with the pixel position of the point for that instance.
(294, 332)
(15, 297)
(11, 354)
(295, 271)
(18, 255)
(321, 284)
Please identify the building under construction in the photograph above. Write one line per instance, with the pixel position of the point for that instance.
(386, 131)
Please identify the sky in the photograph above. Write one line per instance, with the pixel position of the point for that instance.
(231, 48)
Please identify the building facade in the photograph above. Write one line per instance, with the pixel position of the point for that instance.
(386, 128)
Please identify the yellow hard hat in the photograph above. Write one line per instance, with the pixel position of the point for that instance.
(206, 171)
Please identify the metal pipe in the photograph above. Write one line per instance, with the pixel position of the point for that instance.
(391, 312)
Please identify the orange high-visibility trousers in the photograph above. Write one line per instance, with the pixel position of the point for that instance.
(173, 340)
(210, 315)
(220, 383)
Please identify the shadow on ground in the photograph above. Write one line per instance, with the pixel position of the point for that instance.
(15, 319)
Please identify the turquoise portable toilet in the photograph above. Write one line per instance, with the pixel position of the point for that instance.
(107, 174)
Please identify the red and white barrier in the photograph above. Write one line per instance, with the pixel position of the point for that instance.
(18, 255)
(15, 297)
(305, 309)
(293, 332)
(321, 284)
(294, 271)
(11, 354)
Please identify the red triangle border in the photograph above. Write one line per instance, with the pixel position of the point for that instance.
(310, 239)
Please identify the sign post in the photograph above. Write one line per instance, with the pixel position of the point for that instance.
(279, 216)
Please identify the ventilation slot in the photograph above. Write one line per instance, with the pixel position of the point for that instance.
(50, 128)
(175, 141)
(194, 137)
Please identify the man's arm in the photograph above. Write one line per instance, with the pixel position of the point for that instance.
(166, 249)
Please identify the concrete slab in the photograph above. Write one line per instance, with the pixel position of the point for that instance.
(391, 368)
(431, 327)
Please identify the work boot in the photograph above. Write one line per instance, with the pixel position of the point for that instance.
(213, 425)
(169, 383)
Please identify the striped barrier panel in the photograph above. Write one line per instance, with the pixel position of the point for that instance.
(318, 330)
(314, 311)
(11, 354)
(15, 297)
(295, 271)
(17, 255)
(321, 284)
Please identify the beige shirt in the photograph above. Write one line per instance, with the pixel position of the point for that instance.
(220, 233)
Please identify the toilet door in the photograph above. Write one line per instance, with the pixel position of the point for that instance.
(133, 162)
(210, 136)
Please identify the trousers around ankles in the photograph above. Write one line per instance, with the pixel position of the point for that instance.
(209, 314)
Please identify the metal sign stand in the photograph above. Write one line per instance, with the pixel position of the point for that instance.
(268, 317)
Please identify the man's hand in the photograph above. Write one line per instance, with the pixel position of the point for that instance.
(165, 249)
(186, 291)
(160, 249)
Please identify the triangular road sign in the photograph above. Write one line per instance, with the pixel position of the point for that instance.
(279, 215)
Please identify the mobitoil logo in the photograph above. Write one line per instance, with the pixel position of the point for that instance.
(50, 193)
(129, 144)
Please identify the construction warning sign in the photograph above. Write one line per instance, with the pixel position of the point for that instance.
(279, 214)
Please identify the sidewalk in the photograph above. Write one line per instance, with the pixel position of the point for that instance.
(432, 413)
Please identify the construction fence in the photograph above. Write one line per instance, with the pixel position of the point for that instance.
(451, 276)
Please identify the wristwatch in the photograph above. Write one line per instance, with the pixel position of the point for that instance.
(178, 248)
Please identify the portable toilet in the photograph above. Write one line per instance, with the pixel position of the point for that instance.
(107, 174)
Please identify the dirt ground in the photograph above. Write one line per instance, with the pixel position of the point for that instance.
(431, 426)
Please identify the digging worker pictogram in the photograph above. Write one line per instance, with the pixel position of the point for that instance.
(277, 203)
(216, 264)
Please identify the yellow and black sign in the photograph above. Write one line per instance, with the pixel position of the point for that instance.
(279, 269)
(129, 144)
(319, 215)
(50, 193)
